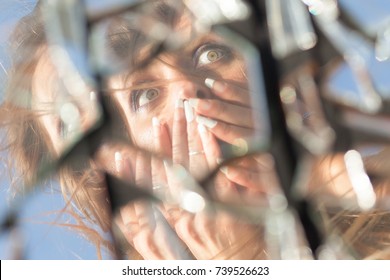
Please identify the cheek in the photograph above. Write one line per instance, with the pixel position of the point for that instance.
(236, 71)
(141, 133)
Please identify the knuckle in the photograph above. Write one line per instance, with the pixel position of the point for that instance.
(218, 106)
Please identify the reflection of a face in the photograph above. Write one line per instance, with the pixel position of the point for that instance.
(152, 90)
(61, 115)
(45, 90)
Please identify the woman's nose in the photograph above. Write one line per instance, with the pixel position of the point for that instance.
(186, 89)
(182, 82)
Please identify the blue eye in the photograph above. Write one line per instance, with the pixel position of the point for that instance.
(143, 97)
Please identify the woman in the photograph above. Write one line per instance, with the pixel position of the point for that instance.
(182, 108)
(180, 132)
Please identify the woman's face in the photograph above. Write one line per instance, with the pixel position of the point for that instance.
(153, 90)
(61, 116)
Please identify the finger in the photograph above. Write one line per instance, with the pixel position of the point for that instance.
(179, 135)
(145, 244)
(205, 228)
(211, 148)
(172, 247)
(143, 176)
(127, 222)
(256, 186)
(161, 142)
(117, 159)
(159, 178)
(233, 241)
(171, 191)
(225, 190)
(244, 177)
(123, 167)
(172, 213)
(247, 162)
(229, 91)
(197, 160)
(143, 179)
(161, 241)
(185, 230)
(255, 162)
(223, 111)
(231, 134)
(175, 174)
(127, 213)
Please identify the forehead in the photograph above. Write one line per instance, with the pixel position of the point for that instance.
(172, 13)
(166, 11)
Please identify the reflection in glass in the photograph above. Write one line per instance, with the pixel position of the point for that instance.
(157, 121)
(181, 104)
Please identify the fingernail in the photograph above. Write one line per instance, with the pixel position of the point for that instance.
(201, 128)
(224, 170)
(219, 160)
(92, 96)
(240, 147)
(189, 112)
(216, 86)
(210, 123)
(209, 83)
(155, 121)
(118, 161)
(179, 103)
(193, 102)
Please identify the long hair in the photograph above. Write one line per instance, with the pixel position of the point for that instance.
(28, 146)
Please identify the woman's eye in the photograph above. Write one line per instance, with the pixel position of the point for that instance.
(145, 96)
(208, 56)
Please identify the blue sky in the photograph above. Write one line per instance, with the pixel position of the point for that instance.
(10, 12)
(40, 239)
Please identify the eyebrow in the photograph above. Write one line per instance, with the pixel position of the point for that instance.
(162, 10)
(165, 12)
